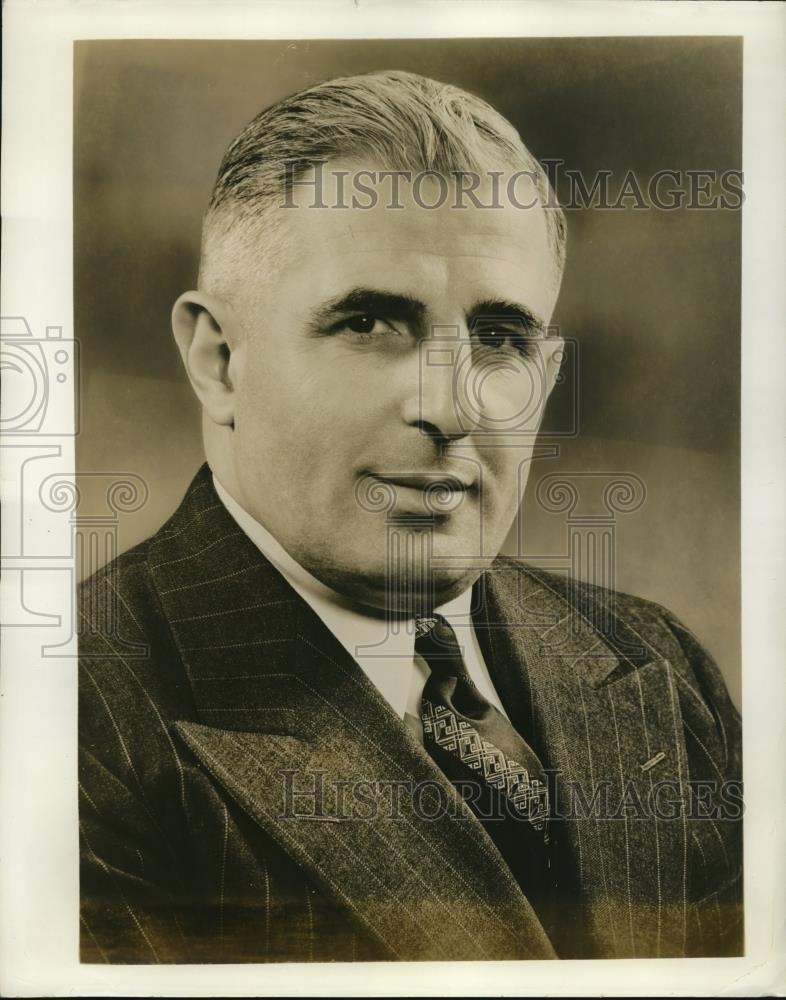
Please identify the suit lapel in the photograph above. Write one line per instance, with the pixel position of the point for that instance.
(295, 732)
(610, 726)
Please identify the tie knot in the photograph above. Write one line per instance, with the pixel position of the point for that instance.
(423, 626)
(435, 626)
(436, 642)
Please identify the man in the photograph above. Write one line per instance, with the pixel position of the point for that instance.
(321, 718)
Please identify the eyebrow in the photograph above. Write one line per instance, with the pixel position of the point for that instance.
(491, 309)
(370, 301)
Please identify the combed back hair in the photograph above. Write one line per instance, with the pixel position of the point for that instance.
(396, 120)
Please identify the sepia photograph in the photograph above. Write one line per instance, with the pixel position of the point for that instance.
(391, 493)
(428, 644)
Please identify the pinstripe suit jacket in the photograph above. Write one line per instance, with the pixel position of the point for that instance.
(215, 705)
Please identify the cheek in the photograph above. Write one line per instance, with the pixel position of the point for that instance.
(300, 425)
(508, 461)
(271, 396)
(512, 395)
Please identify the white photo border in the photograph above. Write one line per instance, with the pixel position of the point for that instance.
(38, 780)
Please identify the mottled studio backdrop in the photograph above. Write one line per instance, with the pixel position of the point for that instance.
(653, 297)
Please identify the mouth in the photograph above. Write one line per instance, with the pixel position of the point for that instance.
(421, 494)
(427, 481)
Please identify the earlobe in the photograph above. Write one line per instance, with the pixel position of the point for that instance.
(556, 358)
(200, 324)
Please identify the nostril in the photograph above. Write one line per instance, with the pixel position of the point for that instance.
(430, 430)
(437, 434)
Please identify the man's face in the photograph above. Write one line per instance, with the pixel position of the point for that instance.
(388, 386)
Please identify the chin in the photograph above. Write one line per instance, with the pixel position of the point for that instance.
(404, 594)
(398, 574)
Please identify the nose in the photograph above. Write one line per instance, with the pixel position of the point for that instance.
(434, 405)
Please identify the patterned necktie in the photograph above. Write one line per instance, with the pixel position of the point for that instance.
(477, 748)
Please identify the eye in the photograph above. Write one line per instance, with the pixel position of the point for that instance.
(492, 336)
(361, 324)
(498, 336)
(366, 327)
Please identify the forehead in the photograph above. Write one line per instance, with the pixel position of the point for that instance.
(425, 239)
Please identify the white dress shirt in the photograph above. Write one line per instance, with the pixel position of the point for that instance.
(384, 650)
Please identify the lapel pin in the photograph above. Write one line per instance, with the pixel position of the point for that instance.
(648, 764)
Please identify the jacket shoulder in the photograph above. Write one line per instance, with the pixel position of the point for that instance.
(132, 680)
(637, 622)
(588, 595)
(118, 605)
(123, 593)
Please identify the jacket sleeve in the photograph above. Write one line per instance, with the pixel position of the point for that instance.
(715, 695)
(133, 866)
(127, 883)
(132, 880)
(713, 741)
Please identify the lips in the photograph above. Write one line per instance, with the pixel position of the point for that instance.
(427, 481)
(434, 495)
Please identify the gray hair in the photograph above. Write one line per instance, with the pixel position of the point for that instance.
(402, 120)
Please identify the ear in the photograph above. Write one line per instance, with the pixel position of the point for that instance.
(555, 357)
(203, 330)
